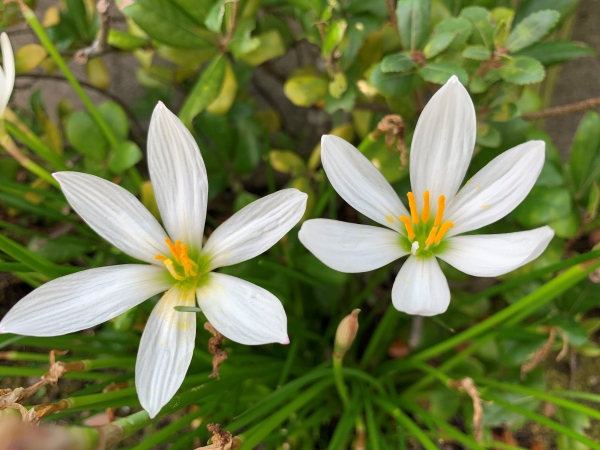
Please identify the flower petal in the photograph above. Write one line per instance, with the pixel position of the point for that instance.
(84, 299)
(115, 214)
(421, 288)
(8, 72)
(179, 178)
(166, 350)
(242, 311)
(255, 228)
(490, 255)
(349, 247)
(360, 184)
(443, 143)
(496, 189)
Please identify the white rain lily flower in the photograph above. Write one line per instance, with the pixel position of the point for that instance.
(441, 150)
(7, 72)
(178, 264)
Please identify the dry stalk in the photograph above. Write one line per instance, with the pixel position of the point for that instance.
(222, 439)
(214, 347)
(468, 385)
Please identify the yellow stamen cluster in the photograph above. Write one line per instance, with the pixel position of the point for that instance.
(421, 228)
(186, 268)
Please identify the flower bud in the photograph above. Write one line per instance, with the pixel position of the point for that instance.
(345, 334)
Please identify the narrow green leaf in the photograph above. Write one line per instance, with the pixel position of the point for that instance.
(333, 37)
(556, 52)
(477, 52)
(584, 159)
(125, 41)
(214, 19)
(413, 22)
(437, 44)
(532, 29)
(205, 91)
(522, 70)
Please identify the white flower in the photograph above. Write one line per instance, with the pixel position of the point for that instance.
(441, 150)
(179, 265)
(7, 72)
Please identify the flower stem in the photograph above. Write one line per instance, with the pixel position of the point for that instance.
(340, 384)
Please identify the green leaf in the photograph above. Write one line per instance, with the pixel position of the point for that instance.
(461, 28)
(338, 85)
(522, 70)
(542, 206)
(437, 44)
(205, 91)
(125, 41)
(556, 52)
(439, 73)
(532, 29)
(214, 19)
(243, 200)
(287, 161)
(566, 227)
(196, 9)
(242, 42)
(413, 22)
(167, 23)
(85, 135)
(503, 17)
(398, 62)
(593, 201)
(477, 52)
(305, 89)
(481, 20)
(393, 84)
(127, 155)
(488, 136)
(503, 112)
(78, 15)
(116, 118)
(528, 7)
(333, 37)
(584, 159)
(270, 45)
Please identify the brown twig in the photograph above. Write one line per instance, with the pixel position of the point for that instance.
(392, 13)
(468, 385)
(231, 25)
(584, 105)
(214, 347)
(99, 46)
(540, 354)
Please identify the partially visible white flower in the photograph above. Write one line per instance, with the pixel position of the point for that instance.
(441, 150)
(241, 311)
(7, 72)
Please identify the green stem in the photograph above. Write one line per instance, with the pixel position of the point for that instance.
(529, 303)
(375, 344)
(37, 145)
(543, 420)
(168, 431)
(407, 423)
(340, 384)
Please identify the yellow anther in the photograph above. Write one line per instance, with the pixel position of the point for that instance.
(174, 248)
(430, 239)
(161, 257)
(440, 211)
(414, 214)
(425, 212)
(409, 228)
(187, 263)
(169, 265)
(443, 230)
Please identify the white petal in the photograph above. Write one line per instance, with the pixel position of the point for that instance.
(349, 247)
(8, 66)
(490, 255)
(421, 288)
(179, 178)
(242, 311)
(255, 228)
(360, 184)
(496, 189)
(84, 299)
(166, 350)
(115, 214)
(443, 143)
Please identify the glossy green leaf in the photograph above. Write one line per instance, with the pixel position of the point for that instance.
(584, 159)
(528, 7)
(437, 44)
(205, 91)
(305, 89)
(85, 135)
(439, 73)
(116, 118)
(413, 22)
(127, 155)
(477, 52)
(166, 22)
(481, 20)
(532, 29)
(393, 84)
(542, 206)
(242, 42)
(270, 45)
(556, 52)
(215, 16)
(125, 41)
(333, 37)
(522, 70)
(593, 201)
(461, 28)
(398, 62)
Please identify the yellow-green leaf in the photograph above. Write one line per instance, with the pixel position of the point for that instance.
(286, 161)
(223, 102)
(271, 46)
(29, 57)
